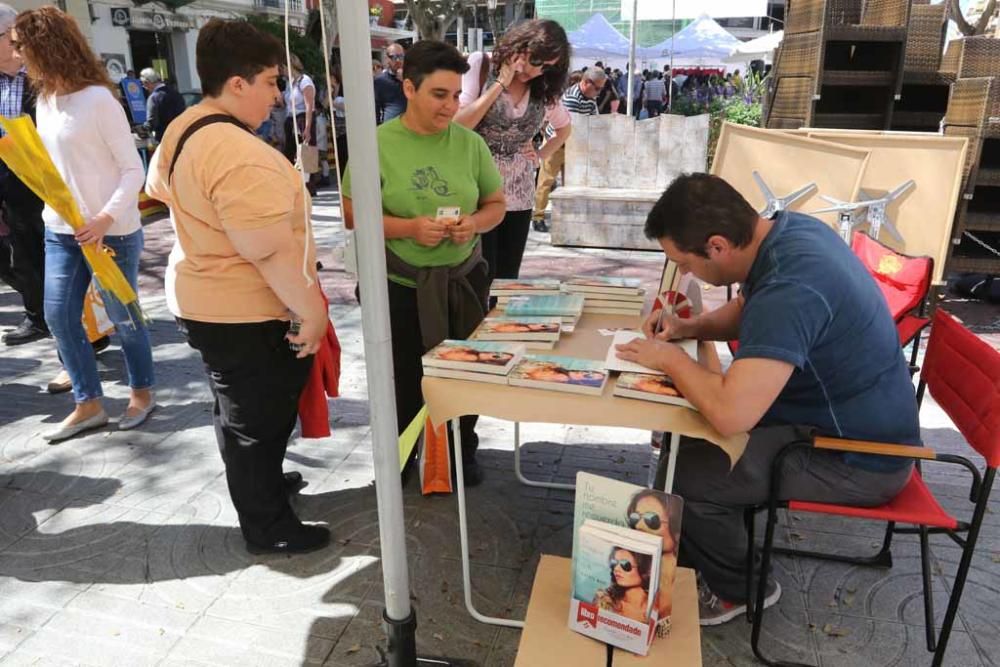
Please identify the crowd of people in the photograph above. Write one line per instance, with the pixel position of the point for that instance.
(457, 132)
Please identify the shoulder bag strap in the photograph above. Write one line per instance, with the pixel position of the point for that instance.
(194, 127)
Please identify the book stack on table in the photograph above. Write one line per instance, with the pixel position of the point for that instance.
(567, 307)
(476, 360)
(608, 295)
(535, 333)
(503, 289)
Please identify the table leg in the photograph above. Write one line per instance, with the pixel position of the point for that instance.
(520, 475)
(675, 445)
(463, 531)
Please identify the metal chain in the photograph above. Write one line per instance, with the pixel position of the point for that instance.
(982, 243)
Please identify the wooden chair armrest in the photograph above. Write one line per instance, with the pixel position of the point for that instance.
(868, 447)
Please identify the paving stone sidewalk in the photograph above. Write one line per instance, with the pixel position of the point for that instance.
(121, 548)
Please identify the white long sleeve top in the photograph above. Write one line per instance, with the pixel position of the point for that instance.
(90, 142)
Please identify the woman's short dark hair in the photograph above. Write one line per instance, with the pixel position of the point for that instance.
(539, 38)
(233, 48)
(428, 56)
(696, 207)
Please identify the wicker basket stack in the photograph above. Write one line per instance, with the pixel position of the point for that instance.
(840, 65)
(924, 97)
(974, 112)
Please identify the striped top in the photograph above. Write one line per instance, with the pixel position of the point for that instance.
(576, 102)
(655, 90)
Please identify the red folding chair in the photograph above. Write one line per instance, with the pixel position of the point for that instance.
(962, 373)
(904, 282)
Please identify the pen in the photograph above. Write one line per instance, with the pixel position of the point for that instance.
(669, 302)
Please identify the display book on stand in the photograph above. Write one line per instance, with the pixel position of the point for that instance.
(625, 543)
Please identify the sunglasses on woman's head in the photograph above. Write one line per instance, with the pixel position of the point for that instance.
(624, 563)
(651, 519)
(535, 61)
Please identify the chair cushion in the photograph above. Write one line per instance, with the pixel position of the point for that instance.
(915, 504)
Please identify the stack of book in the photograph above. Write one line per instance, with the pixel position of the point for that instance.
(503, 289)
(608, 295)
(567, 307)
(535, 333)
(477, 360)
(580, 376)
(647, 387)
(625, 543)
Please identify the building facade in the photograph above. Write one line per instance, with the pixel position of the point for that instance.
(129, 36)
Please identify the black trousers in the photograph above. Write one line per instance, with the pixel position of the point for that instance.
(256, 381)
(27, 239)
(503, 246)
(408, 371)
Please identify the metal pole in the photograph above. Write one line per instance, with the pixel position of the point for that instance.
(399, 617)
(630, 103)
(670, 84)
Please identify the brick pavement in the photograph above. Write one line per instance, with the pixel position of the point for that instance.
(121, 548)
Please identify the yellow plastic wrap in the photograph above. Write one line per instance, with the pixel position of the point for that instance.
(22, 151)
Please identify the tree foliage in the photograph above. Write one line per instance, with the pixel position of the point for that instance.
(308, 51)
(964, 25)
(433, 18)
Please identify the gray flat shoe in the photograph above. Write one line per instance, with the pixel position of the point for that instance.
(66, 432)
(127, 423)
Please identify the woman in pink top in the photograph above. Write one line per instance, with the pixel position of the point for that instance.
(508, 99)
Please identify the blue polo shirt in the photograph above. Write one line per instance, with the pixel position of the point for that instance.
(810, 302)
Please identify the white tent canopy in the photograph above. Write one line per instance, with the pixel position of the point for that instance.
(597, 39)
(761, 48)
(703, 41)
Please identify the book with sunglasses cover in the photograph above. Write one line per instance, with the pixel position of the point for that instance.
(542, 371)
(616, 575)
(648, 387)
(472, 357)
(640, 508)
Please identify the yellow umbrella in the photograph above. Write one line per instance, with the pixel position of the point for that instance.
(25, 155)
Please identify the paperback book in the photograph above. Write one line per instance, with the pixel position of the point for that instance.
(567, 306)
(613, 363)
(616, 578)
(580, 376)
(537, 286)
(648, 387)
(473, 357)
(603, 285)
(638, 508)
(520, 328)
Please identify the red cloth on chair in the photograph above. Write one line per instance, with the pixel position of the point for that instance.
(324, 381)
(903, 280)
(913, 504)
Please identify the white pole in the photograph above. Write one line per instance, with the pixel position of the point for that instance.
(631, 58)
(366, 192)
(670, 83)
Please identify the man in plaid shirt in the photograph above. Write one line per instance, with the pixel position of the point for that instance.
(22, 210)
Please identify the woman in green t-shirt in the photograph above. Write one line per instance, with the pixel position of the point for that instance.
(438, 279)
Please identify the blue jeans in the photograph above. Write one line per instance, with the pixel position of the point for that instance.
(67, 276)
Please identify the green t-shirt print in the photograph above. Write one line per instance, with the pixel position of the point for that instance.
(420, 173)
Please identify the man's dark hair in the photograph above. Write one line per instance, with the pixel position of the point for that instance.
(696, 207)
(427, 56)
(233, 48)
